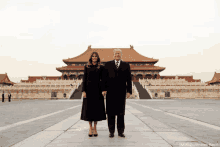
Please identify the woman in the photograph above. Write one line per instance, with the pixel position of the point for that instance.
(93, 107)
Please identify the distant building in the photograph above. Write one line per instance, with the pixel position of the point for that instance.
(215, 80)
(5, 81)
(32, 79)
(141, 67)
(187, 78)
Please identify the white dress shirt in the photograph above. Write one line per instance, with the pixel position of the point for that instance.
(118, 62)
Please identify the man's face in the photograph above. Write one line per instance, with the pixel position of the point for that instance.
(117, 55)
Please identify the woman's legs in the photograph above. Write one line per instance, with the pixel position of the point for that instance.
(90, 125)
(95, 123)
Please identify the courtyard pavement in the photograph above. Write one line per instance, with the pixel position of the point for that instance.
(148, 123)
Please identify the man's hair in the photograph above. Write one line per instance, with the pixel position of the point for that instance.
(117, 49)
(98, 59)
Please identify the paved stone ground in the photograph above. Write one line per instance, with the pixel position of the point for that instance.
(144, 124)
(203, 110)
(18, 111)
(195, 109)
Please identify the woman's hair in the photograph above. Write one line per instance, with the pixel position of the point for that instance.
(98, 59)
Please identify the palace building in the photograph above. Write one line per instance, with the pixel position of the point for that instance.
(141, 67)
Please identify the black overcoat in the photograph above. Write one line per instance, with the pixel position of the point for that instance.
(93, 107)
(117, 82)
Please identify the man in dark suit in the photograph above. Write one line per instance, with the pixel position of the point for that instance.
(9, 97)
(116, 83)
(3, 97)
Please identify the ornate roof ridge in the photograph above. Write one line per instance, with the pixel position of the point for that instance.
(128, 54)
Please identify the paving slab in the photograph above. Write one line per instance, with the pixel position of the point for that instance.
(179, 138)
(65, 124)
(39, 140)
(156, 125)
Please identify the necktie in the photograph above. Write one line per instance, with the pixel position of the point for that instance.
(117, 64)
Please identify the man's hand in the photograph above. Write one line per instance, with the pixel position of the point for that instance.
(104, 93)
(84, 94)
(128, 94)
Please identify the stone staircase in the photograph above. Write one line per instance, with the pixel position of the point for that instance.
(77, 93)
(143, 94)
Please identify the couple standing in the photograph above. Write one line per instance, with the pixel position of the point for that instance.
(112, 80)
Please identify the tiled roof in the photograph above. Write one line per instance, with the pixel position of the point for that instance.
(175, 76)
(70, 68)
(34, 78)
(132, 68)
(215, 79)
(24, 80)
(4, 79)
(106, 54)
(147, 68)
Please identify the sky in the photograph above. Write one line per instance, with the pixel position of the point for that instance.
(36, 35)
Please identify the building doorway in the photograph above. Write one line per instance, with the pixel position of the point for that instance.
(65, 77)
(148, 76)
(53, 94)
(71, 77)
(167, 94)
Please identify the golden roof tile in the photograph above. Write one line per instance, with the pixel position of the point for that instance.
(106, 54)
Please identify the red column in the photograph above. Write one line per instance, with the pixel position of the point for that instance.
(135, 78)
(143, 76)
(158, 76)
(152, 76)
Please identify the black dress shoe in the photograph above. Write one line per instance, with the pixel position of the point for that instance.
(90, 135)
(121, 135)
(111, 135)
(95, 135)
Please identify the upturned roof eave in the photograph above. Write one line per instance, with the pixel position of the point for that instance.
(217, 81)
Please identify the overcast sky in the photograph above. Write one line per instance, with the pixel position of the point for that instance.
(36, 35)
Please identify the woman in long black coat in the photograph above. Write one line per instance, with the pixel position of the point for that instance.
(93, 107)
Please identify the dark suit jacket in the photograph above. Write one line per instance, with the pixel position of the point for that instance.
(117, 82)
(3, 96)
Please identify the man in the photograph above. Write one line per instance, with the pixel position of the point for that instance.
(115, 76)
(9, 97)
(3, 97)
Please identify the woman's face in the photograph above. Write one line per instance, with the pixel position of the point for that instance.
(94, 58)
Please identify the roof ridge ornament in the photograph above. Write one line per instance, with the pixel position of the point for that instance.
(131, 47)
(89, 47)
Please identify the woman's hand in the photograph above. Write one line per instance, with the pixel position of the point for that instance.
(104, 93)
(84, 94)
